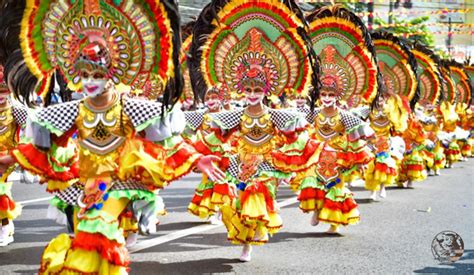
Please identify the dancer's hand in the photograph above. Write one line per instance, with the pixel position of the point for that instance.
(206, 165)
(5, 162)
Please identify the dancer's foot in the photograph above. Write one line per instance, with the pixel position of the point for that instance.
(246, 255)
(6, 234)
(410, 184)
(333, 229)
(214, 219)
(373, 195)
(131, 240)
(315, 218)
(437, 173)
(431, 173)
(383, 192)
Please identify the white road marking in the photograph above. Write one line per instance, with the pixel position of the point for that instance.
(35, 200)
(142, 245)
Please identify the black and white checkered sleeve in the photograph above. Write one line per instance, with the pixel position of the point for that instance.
(286, 120)
(20, 114)
(226, 120)
(140, 111)
(349, 120)
(61, 116)
(194, 118)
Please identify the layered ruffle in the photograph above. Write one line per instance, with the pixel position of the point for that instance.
(382, 170)
(253, 216)
(210, 197)
(156, 165)
(85, 254)
(335, 205)
(413, 168)
(58, 167)
(297, 156)
(453, 152)
(8, 208)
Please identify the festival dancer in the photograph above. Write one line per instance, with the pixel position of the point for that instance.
(390, 115)
(12, 120)
(210, 196)
(127, 147)
(413, 166)
(463, 102)
(256, 60)
(344, 65)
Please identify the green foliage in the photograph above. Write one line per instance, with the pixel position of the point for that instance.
(354, 7)
(413, 26)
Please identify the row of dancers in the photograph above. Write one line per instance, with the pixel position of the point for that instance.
(310, 99)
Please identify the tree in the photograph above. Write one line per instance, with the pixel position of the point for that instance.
(415, 29)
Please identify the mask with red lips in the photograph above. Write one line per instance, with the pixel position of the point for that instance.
(94, 64)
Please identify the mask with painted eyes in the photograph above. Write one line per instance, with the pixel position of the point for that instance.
(93, 83)
(254, 94)
(328, 98)
(212, 101)
(300, 101)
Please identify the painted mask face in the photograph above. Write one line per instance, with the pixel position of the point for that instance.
(4, 96)
(300, 101)
(328, 98)
(213, 102)
(254, 94)
(93, 82)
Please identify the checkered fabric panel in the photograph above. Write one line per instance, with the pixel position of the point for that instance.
(20, 114)
(140, 111)
(69, 195)
(194, 118)
(127, 185)
(60, 116)
(233, 168)
(281, 117)
(307, 112)
(265, 166)
(229, 119)
(349, 120)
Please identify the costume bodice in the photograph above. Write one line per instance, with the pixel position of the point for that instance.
(257, 133)
(8, 128)
(328, 127)
(380, 122)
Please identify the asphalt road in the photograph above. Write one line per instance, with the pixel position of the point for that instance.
(394, 236)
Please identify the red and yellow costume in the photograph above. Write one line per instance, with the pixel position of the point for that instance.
(255, 43)
(127, 147)
(339, 38)
(390, 116)
(12, 120)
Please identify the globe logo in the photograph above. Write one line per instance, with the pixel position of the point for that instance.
(447, 247)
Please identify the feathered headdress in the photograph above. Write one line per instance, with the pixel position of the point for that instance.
(137, 40)
(347, 56)
(257, 41)
(448, 93)
(428, 74)
(461, 82)
(397, 65)
(187, 36)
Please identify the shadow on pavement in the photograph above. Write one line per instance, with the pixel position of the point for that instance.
(207, 266)
(289, 236)
(21, 256)
(458, 267)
